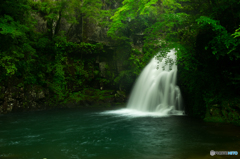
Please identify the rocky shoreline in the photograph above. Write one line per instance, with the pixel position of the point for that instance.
(16, 99)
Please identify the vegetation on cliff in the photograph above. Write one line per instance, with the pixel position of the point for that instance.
(47, 59)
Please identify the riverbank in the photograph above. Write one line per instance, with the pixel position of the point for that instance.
(16, 99)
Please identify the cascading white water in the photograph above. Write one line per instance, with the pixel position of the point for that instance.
(155, 89)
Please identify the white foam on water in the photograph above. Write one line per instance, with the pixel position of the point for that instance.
(136, 113)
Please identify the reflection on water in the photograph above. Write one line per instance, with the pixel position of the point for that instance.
(120, 134)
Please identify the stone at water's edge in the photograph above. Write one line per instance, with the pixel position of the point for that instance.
(18, 99)
(155, 89)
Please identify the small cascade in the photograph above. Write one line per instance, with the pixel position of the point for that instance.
(155, 89)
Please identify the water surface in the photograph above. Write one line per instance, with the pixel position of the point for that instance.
(95, 134)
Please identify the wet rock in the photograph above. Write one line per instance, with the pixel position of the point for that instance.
(10, 107)
(102, 67)
(18, 106)
(33, 94)
(19, 99)
(10, 100)
(10, 95)
(40, 95)
(34, 104)
(21, 95)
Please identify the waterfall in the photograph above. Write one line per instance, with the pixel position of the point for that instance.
(155, 89)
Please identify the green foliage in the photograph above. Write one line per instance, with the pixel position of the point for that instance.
(13, 34)
(90, 94)
(130, 11)
(210, 63)
(223, 43)
(237, 33)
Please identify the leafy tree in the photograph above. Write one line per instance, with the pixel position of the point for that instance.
(15, 27)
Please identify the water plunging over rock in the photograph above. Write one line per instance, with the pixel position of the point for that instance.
(155, 89)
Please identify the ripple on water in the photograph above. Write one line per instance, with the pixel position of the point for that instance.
(31, 136)
(14, 143)
(8, 155)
